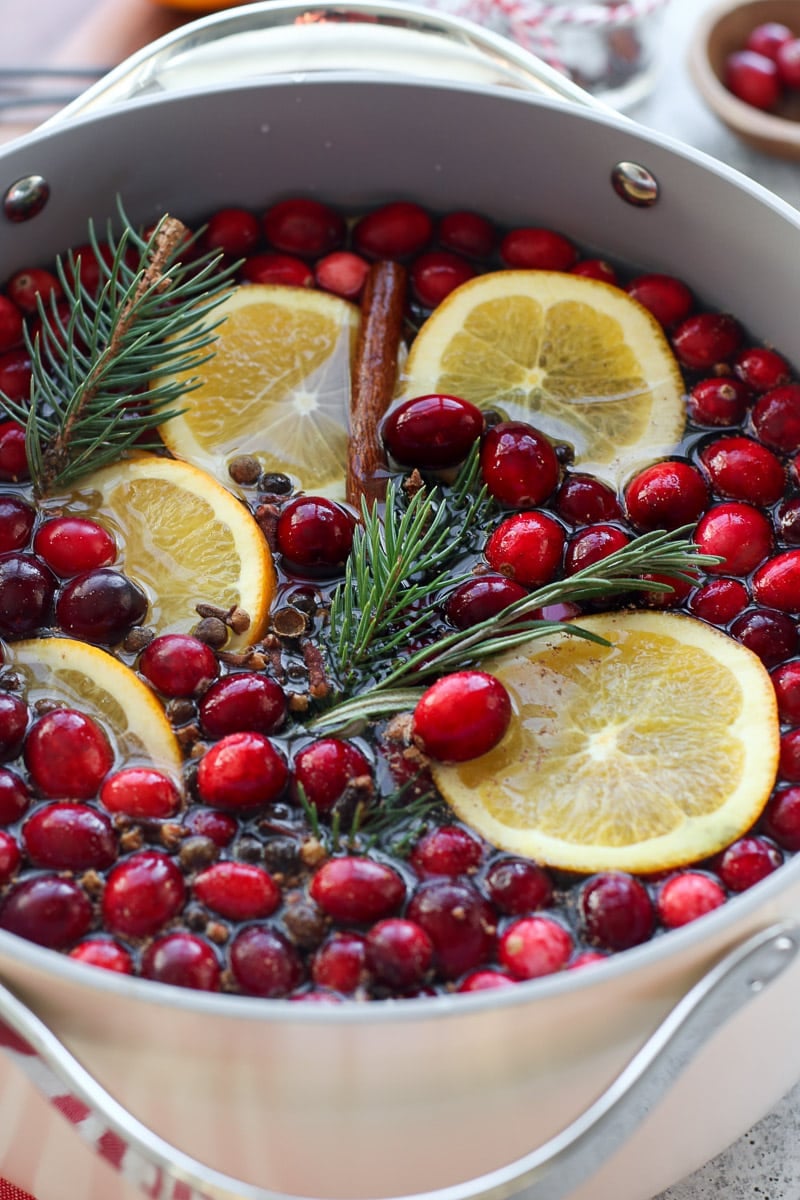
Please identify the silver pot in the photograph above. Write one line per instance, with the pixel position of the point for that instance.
(482, 1095)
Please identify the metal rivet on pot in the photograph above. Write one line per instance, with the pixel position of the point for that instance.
(26, 198)
(635, 184)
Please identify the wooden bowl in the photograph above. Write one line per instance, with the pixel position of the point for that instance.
(723, 29)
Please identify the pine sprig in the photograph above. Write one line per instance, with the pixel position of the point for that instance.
(101, 376)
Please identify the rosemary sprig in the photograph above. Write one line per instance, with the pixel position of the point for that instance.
(398, 812)
(100, 376)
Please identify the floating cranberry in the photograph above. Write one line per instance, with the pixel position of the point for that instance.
(517, 886)
(581, 500)
(394, 231)
(303, 226)
(436, 274)
(68, 754)
(100, 606)
(777, 583)
(776, 418)
(342, 273)
(48, 910)
(769, 634)
(448, 850)
(357, 889)
(593, 544)
(686, 897)
(705, 339)
(668, 299)
(738, 534)
(747, 862)
(265, 963)
(238, 891)
(743, 470)
(761, 369)
(432, 431)
(26, 288)
(665, 496)
(767, 38)
(616, 911)
(141, 792)
(398, 953)
(16, 523)
(781, 818)
(243, 702)
(280, 269)
(535, 946)
(69, 837)
(243, 770)
(314, 535)
(481, 598)
(485, 981)
(596, 268)
(467, 233)
(103, 952)
(787, 60)
(219, 827)
(11, 324)
(753, 78)
(13, 723)
(177, 664)
(719, 601)
(182, 960)
(10, 857)
(26, 594)
(585, 959)
(14, 797)
(92, 264)
(461, 716)
(142, 894)
(542, 249)
(664, 592)
(527, 547)
(722, 400)
(786, 681)
(325, 769)
(458, 920)
(519, 465)
(70, 545)
(234, 232)
(15, 382)
(789, 762)
(340, 963)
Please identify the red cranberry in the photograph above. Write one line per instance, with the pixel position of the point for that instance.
(743, 470)
(485, 981)
(100, 606)
(776, 418)
(581, 500)
(719, 601)
(707, 338)
(593, 544)
(527, 547)
(459, 922)
(767, 38)
(543, 249)
(666, 496)
(753, 78)
(10, 857)
(140, 792)
(586, 959)
(342, 273)
(786, 681)
(396, 230)
(13, 723)
(16, 523)
(314, 535)
(68, 754)
(738, 533)
(461, 716)
(664, 592)
(535, 946)
(777, 582)
(48, 910)
(771, 635)
(787, 60)
(517, 886)
(436, 274)
(177, 664)
(303, 226)
(91, 265)
(432, 431)
(69, 837)
(616, 911)
(722, 400)
(278, 269)
(781, 819)
(264, 963)
(244, 702)
(340, 962)
(238, 891)
(11, 324)
(26, 594)
(398, 953)
(357, 889)
(70, 545)
(746, 862)
(14, 797)
(448, 850)
(232, 231)
(325, 769)
(761, 369)
(142, 894)
(27, 287)
(219, 827)
(519, 465)
(103, 952)
(596, 268)
(555, 612)
(15, 382)
(243, 770)
(686, 897)
(182, 960)
(789, 763)
(467, 233)
(668, 299)
(481, 598)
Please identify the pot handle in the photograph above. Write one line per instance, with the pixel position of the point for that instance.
(290, 37)
(551, 1172)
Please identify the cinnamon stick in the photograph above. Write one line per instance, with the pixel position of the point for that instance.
(374, 378)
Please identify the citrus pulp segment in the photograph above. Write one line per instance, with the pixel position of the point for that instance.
(95, 683)
(579, 359)
(657, 750)
(277, 387)
(186, 540)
